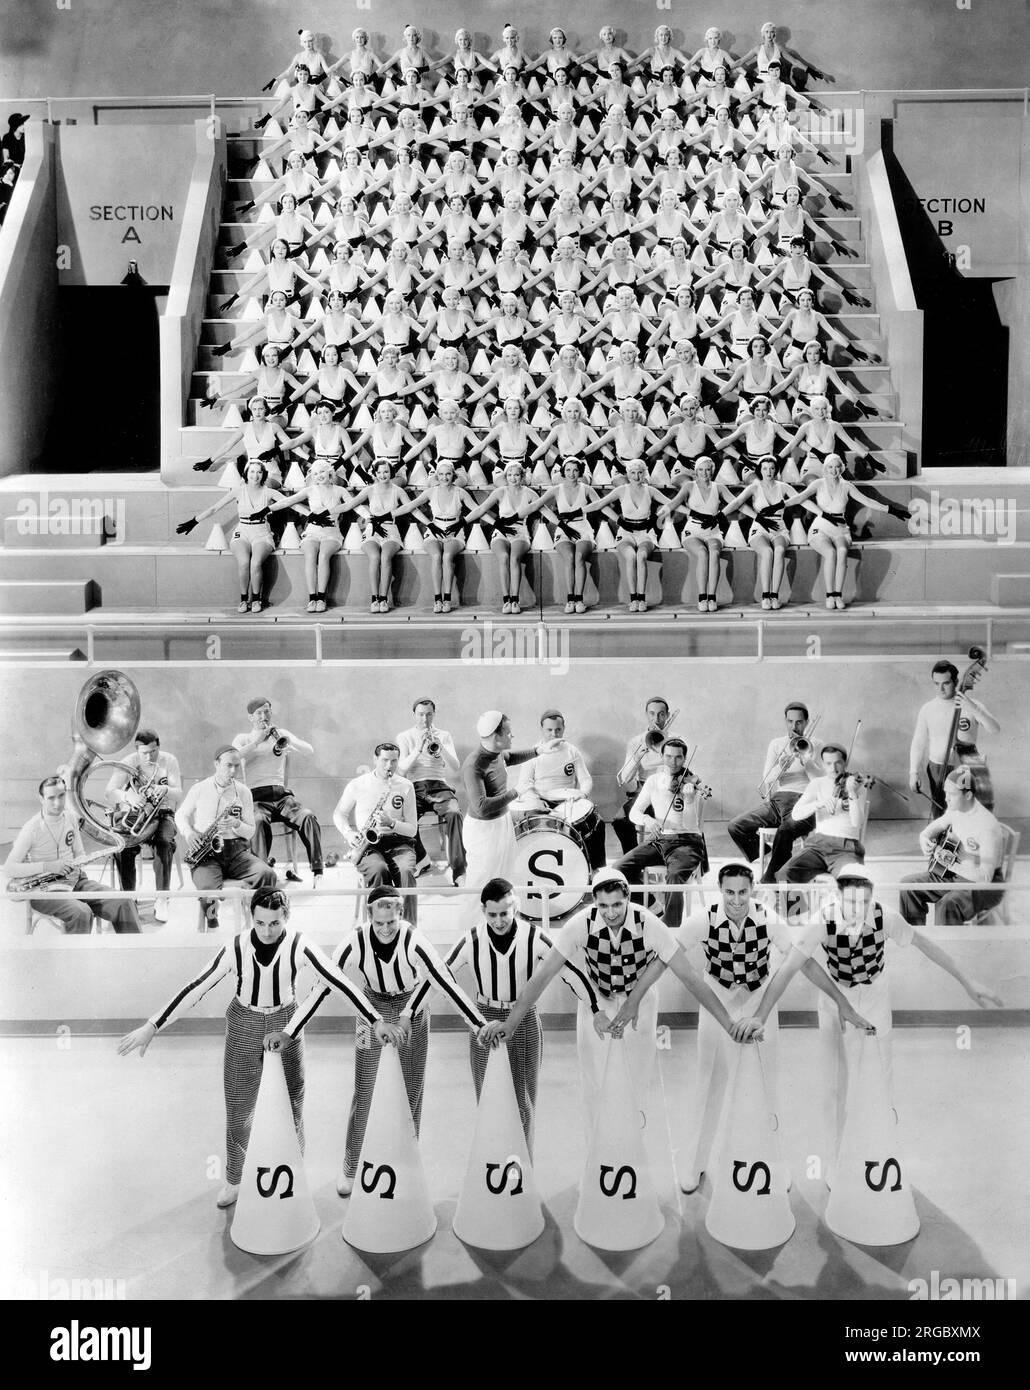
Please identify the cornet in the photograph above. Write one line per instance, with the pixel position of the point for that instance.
(432, 743)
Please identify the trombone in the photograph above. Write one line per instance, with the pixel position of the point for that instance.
(798, 746)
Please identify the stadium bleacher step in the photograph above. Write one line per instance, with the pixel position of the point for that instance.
(32, 597)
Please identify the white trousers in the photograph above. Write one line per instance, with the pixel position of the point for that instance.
(838, 1053)
(716, 1053)
(490, 852)
(640, 1045)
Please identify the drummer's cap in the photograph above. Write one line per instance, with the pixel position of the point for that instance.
(852, 875)
(962, 778)
(488, 723)
(609, 878)
(552, 714)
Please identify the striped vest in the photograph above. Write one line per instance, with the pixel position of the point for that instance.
(855, 960)
(616, 969)
(738, 961)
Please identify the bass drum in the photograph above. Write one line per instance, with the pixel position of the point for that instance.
(550, 856)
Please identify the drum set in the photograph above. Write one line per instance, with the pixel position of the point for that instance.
(551, 853)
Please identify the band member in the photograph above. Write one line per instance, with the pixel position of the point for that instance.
(853, 929)
(502, 951)
(561, 778)
(839, 803)
(488, 831)
(427, 754)
(160, 784)
(612, 942)
(265, 961)
(667, 810)
(735, 940)
(933, 727)
(50, 843)
(221, 808)
(643, 756)
(376, 816)
(264, 751)
(972, 840)
(393, 961)
(789, 767)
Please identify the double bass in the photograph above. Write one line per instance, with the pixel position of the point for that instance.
(982, 788)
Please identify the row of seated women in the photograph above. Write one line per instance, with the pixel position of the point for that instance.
(695, 510)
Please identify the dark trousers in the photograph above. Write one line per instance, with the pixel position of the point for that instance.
(822, 855)
(234, 860)
(77, 917)
(957, 901)
(162, 836)
(681, 855)
(430, 796)
(273, 804)
(775, 813)
(626, 832)
(936, 774)
(391, 863)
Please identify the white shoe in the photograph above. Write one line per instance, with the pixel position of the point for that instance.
(161, 908)
(228, 1194)
(344, 1185)
(690, 1182)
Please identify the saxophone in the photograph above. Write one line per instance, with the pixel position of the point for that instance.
(211, 840)
(370, 830)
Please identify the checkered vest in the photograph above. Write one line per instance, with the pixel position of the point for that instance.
(616, 970)
(738, 962)
(855, 961)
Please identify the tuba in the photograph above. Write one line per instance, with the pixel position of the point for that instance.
(106, 716)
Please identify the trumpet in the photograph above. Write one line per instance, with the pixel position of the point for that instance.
(280, 743)
(370, 833)
(431, 742)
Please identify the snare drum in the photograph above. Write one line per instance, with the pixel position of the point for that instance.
(579, 813)
(549, 855)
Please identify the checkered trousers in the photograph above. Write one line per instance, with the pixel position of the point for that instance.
(855, 960)
(245, 1033)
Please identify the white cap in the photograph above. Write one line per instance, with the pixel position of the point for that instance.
(854, 870)
(489, 723)
(306, 34)
(604, 878)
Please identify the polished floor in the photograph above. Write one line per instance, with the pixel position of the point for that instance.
(112, 1167)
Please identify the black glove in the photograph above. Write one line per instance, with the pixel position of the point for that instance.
(269, 454)
(262, 121)
(821, 76)
(319, 518)
(234, 249)
(824, 157)
(185, 527)
(435, 530)
(228, 303)
(223, 349)
(895, 509)
(260, 515)
(269, 85)
(245, 207)
(867, 410)
(203, 465)
(569, 530)
(839, 204)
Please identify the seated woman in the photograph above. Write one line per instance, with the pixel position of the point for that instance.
(443, 533)
(263, 441)
(564, 505)
(628, 437)
(829, 534)
(767, 498)
(704, 501)
(679, 324)
(737, 329)
(320, 501)
(335, 384)
(752, 379)
(759, 433)
(796, 273)
(291, 226)
(271, 382)
(767, 51)
(820, 436)
(711, 56)
(511, 434)
(298, 181)
(386, 439)
(252, 541)
(510, 503)
(446, 441)
(689, 434)
(382, 498)
(279, 329)
(572, 437)
(633, 506)
(810, 379)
